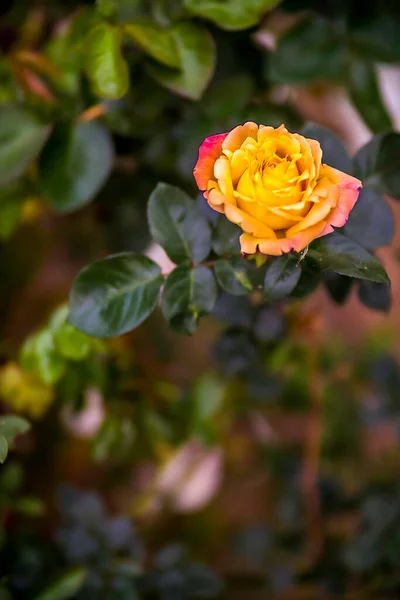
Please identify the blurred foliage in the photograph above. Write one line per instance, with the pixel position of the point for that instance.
(140, 453)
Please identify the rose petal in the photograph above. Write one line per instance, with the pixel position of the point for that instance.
(209, 151)
(349, 190)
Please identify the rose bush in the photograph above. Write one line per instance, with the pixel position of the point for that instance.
(273, 184)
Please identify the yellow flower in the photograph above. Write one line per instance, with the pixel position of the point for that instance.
(24, 392)
(273, 184)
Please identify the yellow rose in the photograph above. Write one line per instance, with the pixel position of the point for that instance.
(273, 184)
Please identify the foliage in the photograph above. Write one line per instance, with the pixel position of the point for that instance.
(142, 444)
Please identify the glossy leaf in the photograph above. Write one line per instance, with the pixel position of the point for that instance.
(336, 252)
(225, 238)
(371, 221)
(22, 136)
(376, 39)
(375, 295)
(233, 275)
(231, 14)
(3, 449)
(155, 40)
(334, 152)
(310, 51)
(74, 165)
(196, 58)
(66, 586)
(365, 94)
(377, 164)
(281, 277)
(338, 286)
(188, 294)
(112, 296)
(177, 225)
(104, 63)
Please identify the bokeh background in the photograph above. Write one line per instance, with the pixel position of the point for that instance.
(258, 458)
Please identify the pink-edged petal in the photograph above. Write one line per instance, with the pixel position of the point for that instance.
(349, 190)
(250, 244)
(319, 212)
(300, 240)
(209, 151)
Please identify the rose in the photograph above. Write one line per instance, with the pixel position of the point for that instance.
(273, 184)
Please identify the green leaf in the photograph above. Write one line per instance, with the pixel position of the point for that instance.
(71, 343)
(366, 96)
(196, 52)
(336, 252)
(208, 397)
(233, 275)
(225, 238)
(338, 286)
(281, 277)
(188, 294)
(311, 51)
(177, 225)
(104, 63)
(40, 357)
(231, 14)
(22, 136)
(334, 152)
(112, 296)
(13, 425)
(3, 449)
(377, 164)
(29, 506)
(155, 41)
(375, 295)
(5, 594)
(371, 222)
(66, 586)
(376, 39)
(74, 165)
(10, 214)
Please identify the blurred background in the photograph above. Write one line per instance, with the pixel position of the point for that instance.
(258, 458)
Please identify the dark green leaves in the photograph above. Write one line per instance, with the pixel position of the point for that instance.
(154, 40)
(22, 136)
(105, 66)
(365, 95)
(231, 14)
(371, 222)
(188, 294)
(112, 296)
(177, 225)
(375, 295)
(334, 152)
(312, 50)
(225, 239)
(377, 164)
(74, 165)
(336, 252)
(281, 278)
(196, 53)
(233, 275)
